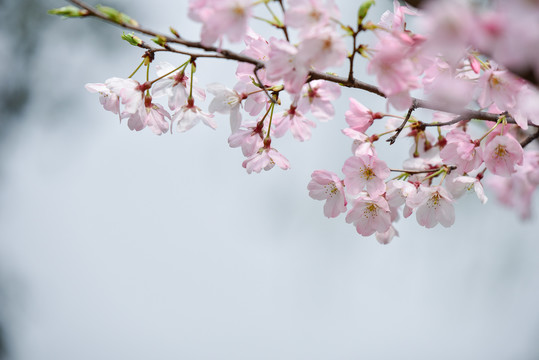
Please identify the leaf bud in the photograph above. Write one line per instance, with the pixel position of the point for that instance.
(160, 40)
(132, 39)
(69, 11)
(116, 16)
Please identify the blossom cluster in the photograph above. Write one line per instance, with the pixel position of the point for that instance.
(465, 63)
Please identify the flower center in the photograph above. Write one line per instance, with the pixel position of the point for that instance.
(371, 210)
(367, 173)
(330, 189)
(500, 151)
(434, 201)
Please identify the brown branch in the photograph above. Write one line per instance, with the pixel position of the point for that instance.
(530, 138)
(313, 75)
(284, 28)
(412, 172)
(451, 122)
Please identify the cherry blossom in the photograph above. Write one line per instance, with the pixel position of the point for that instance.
(395, 71)
(220, 18)
(309, 15)
(151, 115)
(369, 215)
(359, 117)
(462, 151)
(285, 64)
(432, 205)
(460, 184)
(226, 101)
(365, 171)
(109, 100)
(322, 49)
(249, 138)
(317, 97)
(385, 238)
(501, 155)
(265, 158)
(189, 115)
(129, 91)
(293, 119)
(326, 185)
(176, 86)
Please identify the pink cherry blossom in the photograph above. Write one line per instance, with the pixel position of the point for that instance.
(461, 184)
(397, 192)
(450, 25)
(221, 18)
(293, 119)
(501, 154)
(109, 100)
(176, 86)
(322, 49)
(433, 205)
(502, 89)
(385, 238)
(369, 215)
(359, 117)
(365, 171)
(265, 158)
(516, 191)
(189, 115)
(309, 15)
(284, 63)
(318, 97)
(129, 91)
(395, 20)
(326, 185)
(395, 71)
(461, 151)
(362, 144)
(151, 115)
(258, 48)
(249, 138)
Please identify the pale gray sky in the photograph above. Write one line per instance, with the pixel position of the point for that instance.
(123, 245)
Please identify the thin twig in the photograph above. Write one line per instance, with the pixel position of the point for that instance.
(412, 172)
(262, 85)
(392, 139)
(284, 28)
(451, 122)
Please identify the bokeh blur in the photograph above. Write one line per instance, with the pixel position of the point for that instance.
(124, 245)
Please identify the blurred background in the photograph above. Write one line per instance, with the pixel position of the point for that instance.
(124, 245)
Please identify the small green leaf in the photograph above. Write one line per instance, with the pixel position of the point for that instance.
(363, 10)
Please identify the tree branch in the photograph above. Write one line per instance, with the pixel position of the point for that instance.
(313, 75)
(530, 138)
